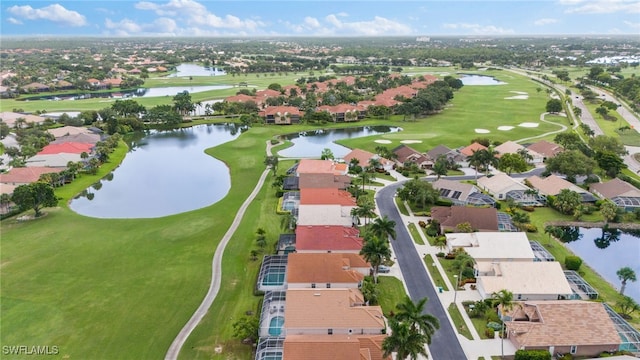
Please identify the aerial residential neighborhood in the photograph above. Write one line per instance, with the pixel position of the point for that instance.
(320, 180)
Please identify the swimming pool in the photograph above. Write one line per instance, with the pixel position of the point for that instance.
(275, 325)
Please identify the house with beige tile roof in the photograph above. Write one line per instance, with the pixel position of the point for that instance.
(333, 214)
(337, 312)
(281, 115)
(364, 157)
(502, 187)
(461, 193)
(580, 328)
(68, 130)
(512, 147)
(527, 280)
(334, 347)
(553, 184)
(546, 148)
(492, 246)
(10, 118)
(343, 112)
(312, 166)
(326, 270)
(59, 160)
(620, 192)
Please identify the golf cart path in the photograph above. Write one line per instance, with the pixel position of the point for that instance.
(562, 128)
(216, 272)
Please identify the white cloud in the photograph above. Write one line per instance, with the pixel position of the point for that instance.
(196, 16)
(601, 6)
(545, 21)
(14, 21)
(478, 29)
(55, 13)
(632, 24)
(377, 26)
(312, 22)
(126, 27)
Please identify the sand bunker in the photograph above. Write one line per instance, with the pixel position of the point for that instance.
(505, 128)
(482, 131)
(529, 124)
(411, 141)
(520, 92)
(382, 141)
(517, 97)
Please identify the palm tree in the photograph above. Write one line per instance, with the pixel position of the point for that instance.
(375, 250)
(364, 209)
(384, 227)
(490, 158)
(404, 342)
(365, 176)
(609, 210)
(503, 299)
(414, 314)
(462, 261)
(626, 274)
(475, 161)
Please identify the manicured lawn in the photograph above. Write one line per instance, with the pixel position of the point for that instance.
(462, 328)
(415, 234)
(447, 265)
(473, 107)
(392, 292)
(401, 207)
(435, 273)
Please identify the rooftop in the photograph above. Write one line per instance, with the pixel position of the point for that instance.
(493, 245)
(535, 277)
(324, 268)
(328, 238)
(319, 196)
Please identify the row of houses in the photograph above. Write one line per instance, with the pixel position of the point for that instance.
(552, 310)
(70, 145)
(286, 115)
(318, 267)
(530, 191)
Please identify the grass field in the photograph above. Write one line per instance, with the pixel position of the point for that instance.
(473, 107)
(392, 292)
(434, 272)
(415, 234)
(461, 327)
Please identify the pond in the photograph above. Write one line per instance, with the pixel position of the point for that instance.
(468, 79)
(196, 70)
(309, 144)
(164, 173)
(606, 251)
(141, 92)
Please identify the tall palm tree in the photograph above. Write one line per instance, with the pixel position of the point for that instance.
(364, 209)
(490, 157)
(413, 313)
(626, 274)
(384, 227)
(503, 299)
(475, 161)
(375, 250)
(404, 342)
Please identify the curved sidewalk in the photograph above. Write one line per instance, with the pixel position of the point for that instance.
(216, 273)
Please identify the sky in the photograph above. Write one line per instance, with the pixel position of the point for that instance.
(238, 18)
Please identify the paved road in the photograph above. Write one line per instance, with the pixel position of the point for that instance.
(445, 343)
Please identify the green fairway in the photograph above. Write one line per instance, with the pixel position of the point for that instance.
(473, 107)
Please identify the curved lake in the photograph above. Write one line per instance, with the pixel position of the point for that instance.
(309, 144)
(468, 79)
(164, 173)
(606, 252)
(196, 70)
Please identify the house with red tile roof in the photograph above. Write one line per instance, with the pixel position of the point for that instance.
(313, 166)
(326, 196)
(240, 98)
(334, 347)
(326, 270)
(469, 150)
(343, 112)
(334, 239)
(67, 148)
(281, 115)
(26, 175)
(364, 157)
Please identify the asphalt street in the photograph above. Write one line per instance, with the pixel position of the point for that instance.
(445, 344)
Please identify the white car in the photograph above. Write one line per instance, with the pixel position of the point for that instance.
(383, 269)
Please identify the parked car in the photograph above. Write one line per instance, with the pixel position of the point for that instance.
(383, 269)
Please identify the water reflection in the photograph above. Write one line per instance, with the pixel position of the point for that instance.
(606, 250)
(471, 80)
(164, 173)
